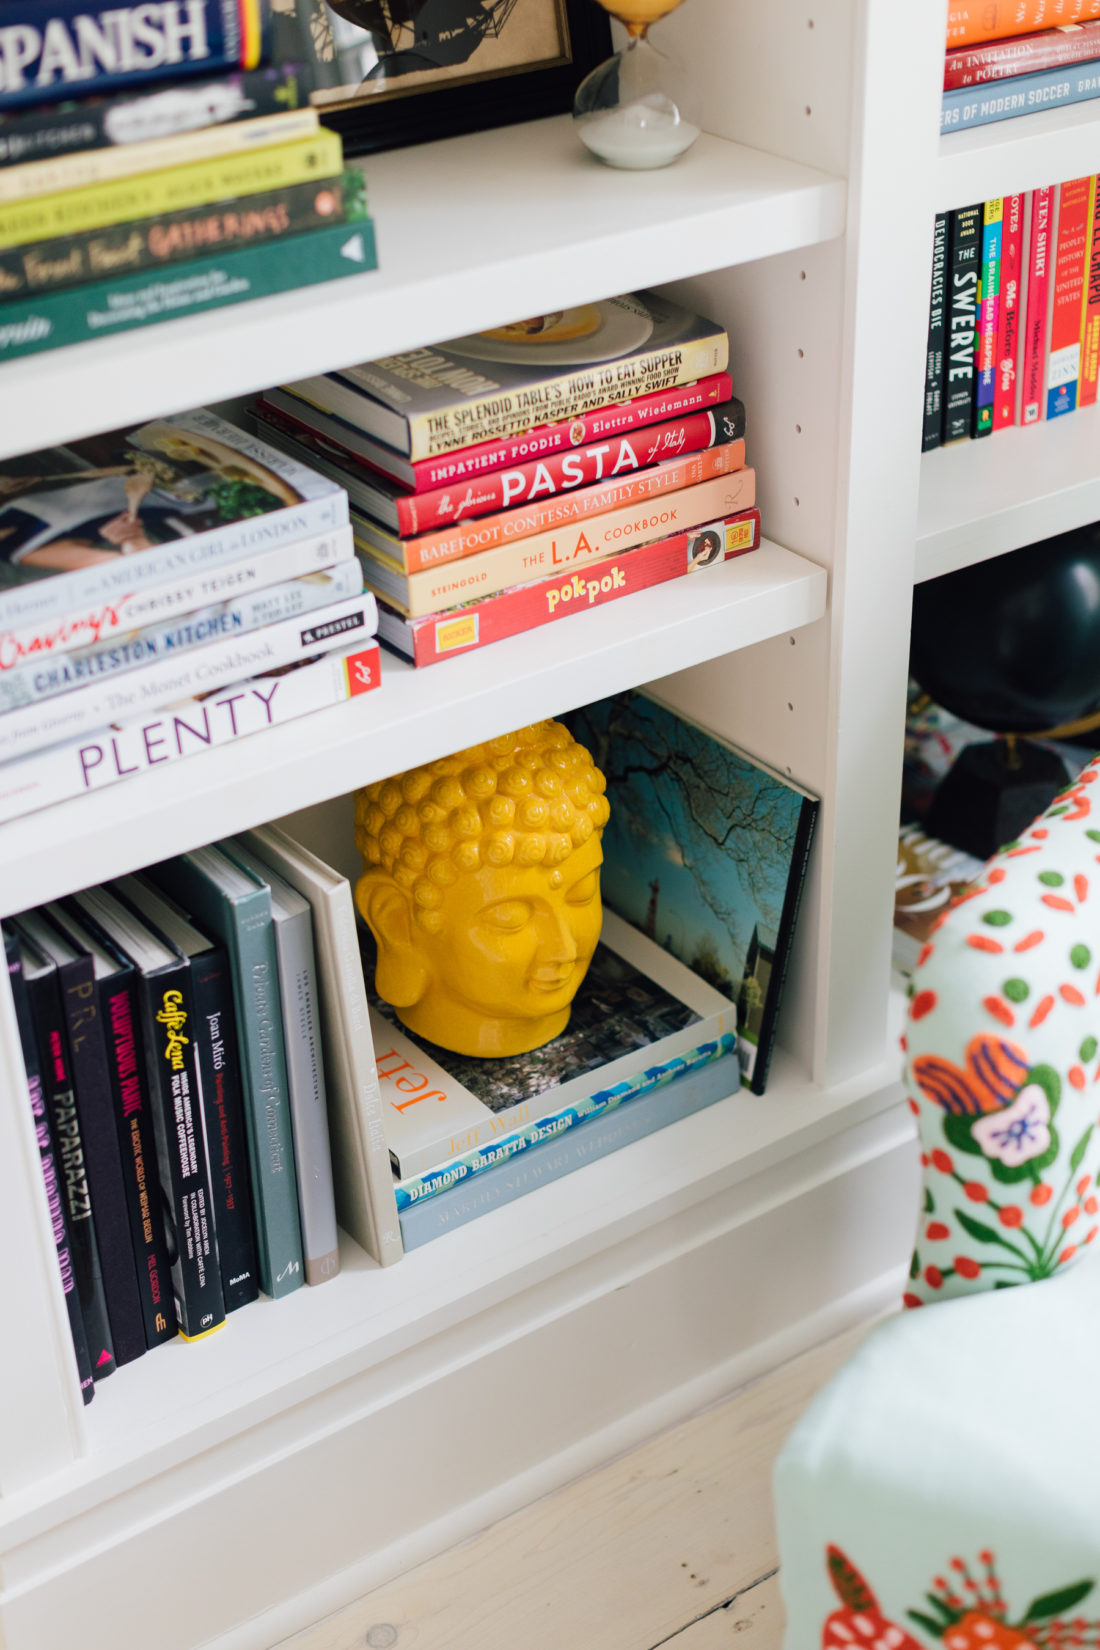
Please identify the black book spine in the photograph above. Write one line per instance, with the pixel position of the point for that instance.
(25, 1024)
(937, 333)
(64, 1122)
(137, 1146)
(168, 1024)
(95, 1103)
(964, 272)
(223, 1111)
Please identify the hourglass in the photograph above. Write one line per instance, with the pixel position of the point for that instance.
(637, 110)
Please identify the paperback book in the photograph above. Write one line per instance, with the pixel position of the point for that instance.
(706, 851)
(494, 384)
(637, 1008)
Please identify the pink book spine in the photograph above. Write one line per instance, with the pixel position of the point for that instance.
(1008, 320)
(1035, 324)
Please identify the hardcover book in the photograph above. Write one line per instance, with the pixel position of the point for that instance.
(705, 852)
(637, 1007)
(963, 291)
(466, 463)
(134, 508)
(292, 925)
(41, 975)
(236, 908)
(48, 1161)
(219, 1082)
(360, 1160)
(80, 974)
(408, 515)
(493, 384)
(690, 1091)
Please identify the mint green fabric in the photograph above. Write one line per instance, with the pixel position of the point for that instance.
(1003, 1062)
(951, 1434)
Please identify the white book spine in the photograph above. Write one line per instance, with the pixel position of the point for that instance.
(43, 677)
(144, 742)
(81, 626)
(182, 676)
(321, 506)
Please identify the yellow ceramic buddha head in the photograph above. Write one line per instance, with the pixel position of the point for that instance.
(481, 886)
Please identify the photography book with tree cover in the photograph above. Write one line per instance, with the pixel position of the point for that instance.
(705, 851)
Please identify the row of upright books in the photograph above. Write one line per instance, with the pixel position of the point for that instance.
(1014, 319)
(1016, 57)
(163, 590)
(509, 479)
(156, 162)
(186, 1043)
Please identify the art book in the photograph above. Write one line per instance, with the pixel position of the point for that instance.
(637, 1009)
(705, 852)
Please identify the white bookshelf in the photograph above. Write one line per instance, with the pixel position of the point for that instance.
(316, 1446)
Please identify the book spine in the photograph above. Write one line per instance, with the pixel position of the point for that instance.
(534, 525)
(138, 1153)
(62, 47)
(100, 704)
(116, 619)
(1064, 356)
(796, 877)
(1008, 324)
(43, 678)
(171, 189)
(969, 22)
(1090, 325)
(428, 641)
(103, 308)
(696, 1089)
(1002, 59)
(69, 128)
(1035, 327)
(48, 1163)
(932, 434)
(223, 1111)
(499, 414)
(1053, 89)
(169, 1023)
(98, 166)
(142, 743)
(306, 1086)
(175, 237)
(962, 314)
(572, 545)
(64, 1122)
(467, 1165)
(99, 1136)
(985, 365)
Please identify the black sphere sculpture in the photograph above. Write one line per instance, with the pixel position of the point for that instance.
(1012, 645)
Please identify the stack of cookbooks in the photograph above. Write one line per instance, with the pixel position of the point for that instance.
(151, 165)
(514, 477)
(206, 1109)
(164, 589)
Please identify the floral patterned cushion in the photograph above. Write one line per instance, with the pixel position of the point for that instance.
(1003, 1062)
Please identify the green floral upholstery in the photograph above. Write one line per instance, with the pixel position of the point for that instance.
(1003, 1062)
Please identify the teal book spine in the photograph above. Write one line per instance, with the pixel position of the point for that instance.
(242, 923)
(102, 308)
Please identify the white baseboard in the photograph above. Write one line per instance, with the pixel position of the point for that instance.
(256, 1538)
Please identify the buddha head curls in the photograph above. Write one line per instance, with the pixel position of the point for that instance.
(527, 798)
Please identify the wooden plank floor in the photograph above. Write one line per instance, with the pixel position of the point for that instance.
(670, 1545)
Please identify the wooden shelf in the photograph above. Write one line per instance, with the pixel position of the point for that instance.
(1011, 156)
(982, 498)
(471, 231)
(414, 717)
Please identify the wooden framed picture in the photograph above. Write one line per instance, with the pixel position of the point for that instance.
(393, 72)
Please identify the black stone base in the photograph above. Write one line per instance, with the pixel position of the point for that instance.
(982, 802)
